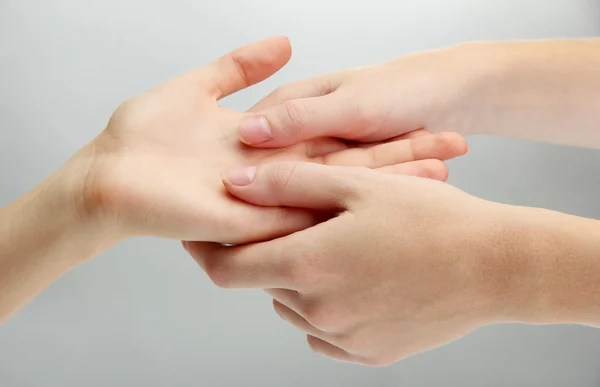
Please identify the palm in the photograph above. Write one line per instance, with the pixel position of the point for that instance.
(163, 151)
(177, 162)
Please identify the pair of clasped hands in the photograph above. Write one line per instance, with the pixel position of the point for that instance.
(327, 194)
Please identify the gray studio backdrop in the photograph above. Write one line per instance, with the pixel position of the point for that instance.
(143, 314)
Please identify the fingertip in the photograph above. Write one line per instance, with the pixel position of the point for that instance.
(433, 169)
(461, 145)
(438, 171)
(285, 48)
(465, 148)
(287, 43)
(254, 130)
(238, 176)
(457, 144)
(443, 174)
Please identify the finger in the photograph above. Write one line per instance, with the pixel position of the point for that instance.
(305, 185)
(322, 146)
(235, 267)
(412, 134)
(328, 350)
(267, 265)
(297, 303)
(406, 136)
(298, 321)
(429, 169)
(289, 298)
(441, 146)
(296, 120)
(313, 87)
(266, 223)
(243, 67)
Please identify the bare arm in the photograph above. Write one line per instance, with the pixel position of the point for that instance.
(539, 90)
(155, 171)
(554, 260)
(42, 236)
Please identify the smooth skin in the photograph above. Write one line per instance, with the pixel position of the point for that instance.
(155, 170)
(410, 264)
(535, 90)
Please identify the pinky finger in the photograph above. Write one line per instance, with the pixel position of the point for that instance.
(328, 350)
(429, 168)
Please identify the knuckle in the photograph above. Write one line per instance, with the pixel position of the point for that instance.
(292, 117)
(281, 175)
(302, 270)
(299, 274)
(351, 185)
(364, 116)
(446, 138)
(123, 112)
(349, 342)
(133, 113)
(240, 68)
(412, 148)
(322, 317)
(283, 93)
(279, 94)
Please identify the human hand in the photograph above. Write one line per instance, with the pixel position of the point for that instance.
(408, 265)
(155, 170)
(434, 90)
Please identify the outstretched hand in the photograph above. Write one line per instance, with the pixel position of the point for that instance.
(156, 168)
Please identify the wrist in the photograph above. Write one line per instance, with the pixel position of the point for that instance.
(479, 68)
(537, 90)
(464, 76)
(62, 201)
(567, 264)
(42, 236)
(546, 269)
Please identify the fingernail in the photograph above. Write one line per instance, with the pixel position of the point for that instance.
(255, 130)
(185, 245)
(240, 176)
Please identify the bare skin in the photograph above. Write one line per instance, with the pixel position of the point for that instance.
(411, 264)
(536, 90)
(155, 170)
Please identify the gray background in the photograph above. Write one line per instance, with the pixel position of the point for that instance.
(144, 314)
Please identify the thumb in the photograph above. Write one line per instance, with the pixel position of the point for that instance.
(243, 67)
(297, 120)
(296, 184)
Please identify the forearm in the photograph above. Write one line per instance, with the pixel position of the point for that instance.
(555, 261)
(42, 236)
(535, 90)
